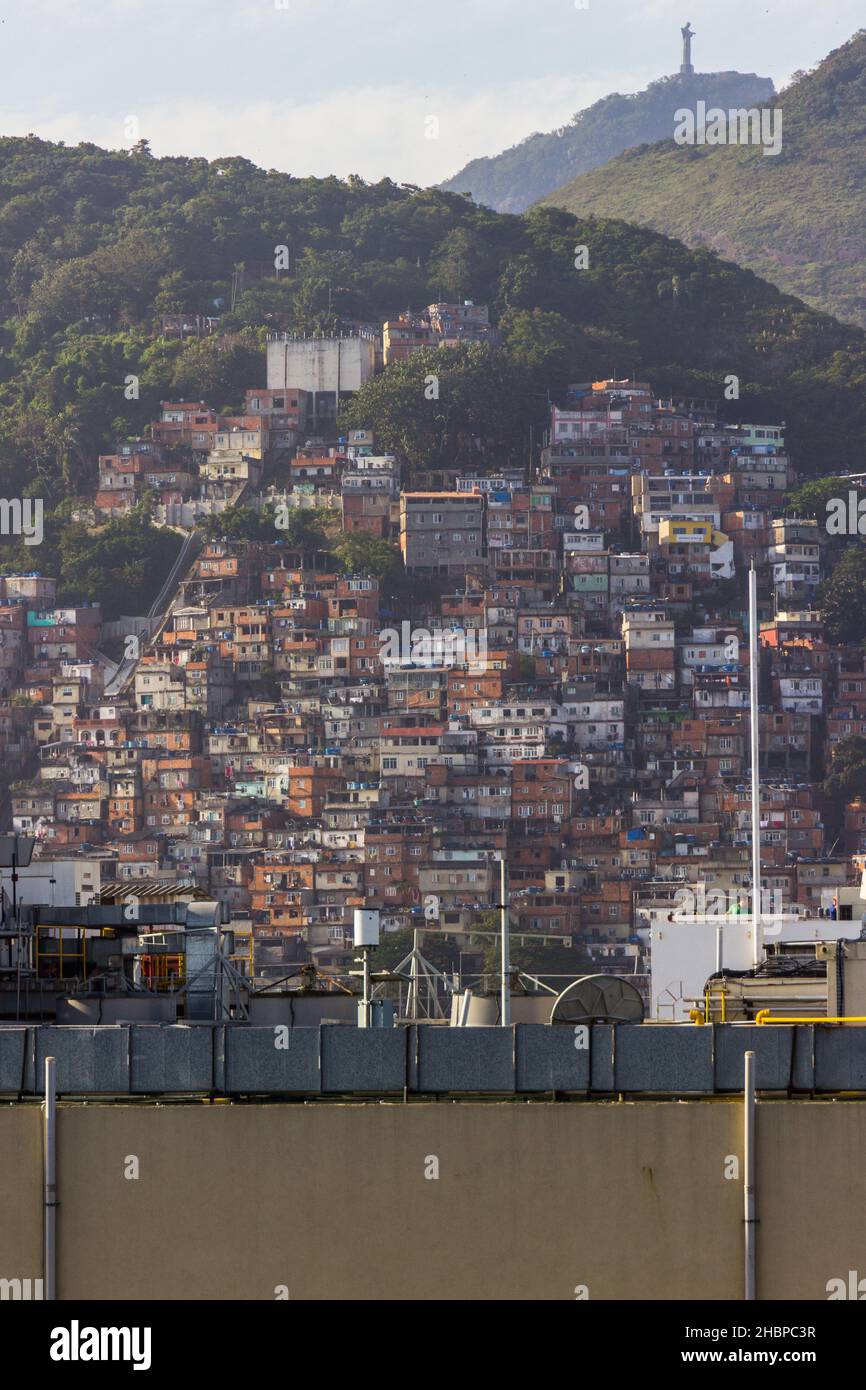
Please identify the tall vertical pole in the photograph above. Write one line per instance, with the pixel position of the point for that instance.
(756, 779)
(412, 999)
(365, 1000)
(15, 928)
(49, 1160)
(749, 1176)
(505, 984)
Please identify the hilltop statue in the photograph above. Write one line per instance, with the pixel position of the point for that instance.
(688, 34)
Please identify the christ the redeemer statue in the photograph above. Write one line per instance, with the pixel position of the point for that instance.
(688, 34)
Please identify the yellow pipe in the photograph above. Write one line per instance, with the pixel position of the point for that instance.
(705, 1015)
(763, 1016)
(708, 996)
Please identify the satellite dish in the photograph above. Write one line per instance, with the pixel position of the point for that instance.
(598, 999)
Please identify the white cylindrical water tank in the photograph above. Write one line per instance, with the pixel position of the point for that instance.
(366, 927)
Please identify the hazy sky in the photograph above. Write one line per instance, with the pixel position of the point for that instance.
(348, 86)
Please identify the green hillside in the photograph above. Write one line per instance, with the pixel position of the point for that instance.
(96, 246)
(797, 219)
(513, 180)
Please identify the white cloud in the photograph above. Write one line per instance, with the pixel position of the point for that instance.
(343, 86)
(46, 16)
(374, 131)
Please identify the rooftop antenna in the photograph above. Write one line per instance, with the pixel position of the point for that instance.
(365, 932)
(422, 976)
(756, 779)
(598, 999)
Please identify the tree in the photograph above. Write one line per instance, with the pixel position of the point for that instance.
(845, 779)
(544, 345)
(526, 667)
(361, 553)
(95, 245)
(268, 684)
(842, 597)
(305, 530)
(239, 523)
(458, 264)
(121, 566)
(466, 406)
(540, 959)
(395, 946)
(846, 775)
(208, 369)
(810, 498)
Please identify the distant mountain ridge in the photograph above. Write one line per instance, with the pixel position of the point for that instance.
(520, 176)
(797, 220)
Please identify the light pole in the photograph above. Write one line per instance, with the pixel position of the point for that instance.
(505, 983)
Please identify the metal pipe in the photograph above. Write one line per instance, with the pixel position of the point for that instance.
(756, 779)
(505, 984)
(749, 1175)
(365, 1001)
(412, 993)
(764, 1016)
(465, 1005)
(49, 1159)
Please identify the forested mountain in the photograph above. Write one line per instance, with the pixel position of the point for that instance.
(511, 181)
(798, 218)
(96, 246)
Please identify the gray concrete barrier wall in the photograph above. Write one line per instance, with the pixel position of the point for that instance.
(526, 1059)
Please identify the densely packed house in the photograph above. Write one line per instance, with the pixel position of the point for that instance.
(562, 676)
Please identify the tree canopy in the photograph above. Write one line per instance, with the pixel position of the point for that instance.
(97, 246)
(842, 597)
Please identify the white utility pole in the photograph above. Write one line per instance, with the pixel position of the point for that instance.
(757, 952)
(505, 1006)
(49, 1181)
(749, 1214)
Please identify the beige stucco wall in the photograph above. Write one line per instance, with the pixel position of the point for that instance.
(20, 1192)
(532, 1200)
